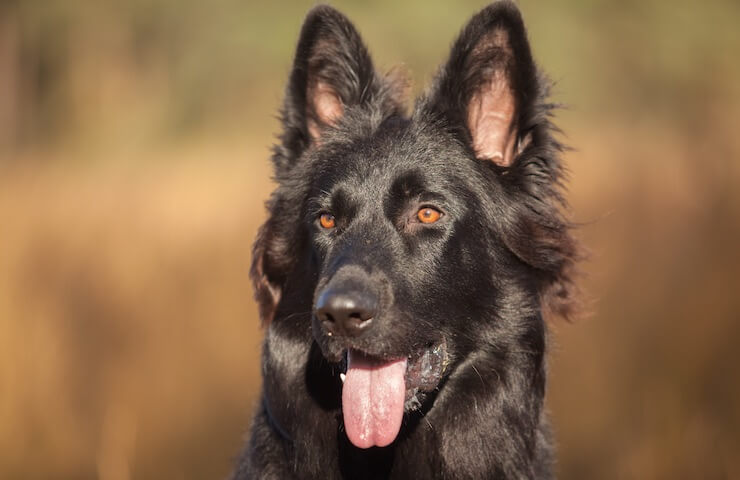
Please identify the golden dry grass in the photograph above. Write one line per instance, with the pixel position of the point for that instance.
(128, 332)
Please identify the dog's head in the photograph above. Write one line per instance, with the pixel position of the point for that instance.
(410, 240)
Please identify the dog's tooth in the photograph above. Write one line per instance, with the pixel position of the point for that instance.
(342, 376)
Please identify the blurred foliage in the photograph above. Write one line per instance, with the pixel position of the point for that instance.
(156, 69)
(133, 167)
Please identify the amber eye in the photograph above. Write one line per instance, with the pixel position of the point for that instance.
(428, 215)
(327, 220)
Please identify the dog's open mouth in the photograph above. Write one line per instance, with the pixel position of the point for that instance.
(376, 392)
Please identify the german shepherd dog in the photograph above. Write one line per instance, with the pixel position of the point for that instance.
(408, 263)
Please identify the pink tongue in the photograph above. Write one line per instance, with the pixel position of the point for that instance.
(372, 400)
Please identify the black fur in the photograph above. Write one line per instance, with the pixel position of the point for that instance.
(479, 281)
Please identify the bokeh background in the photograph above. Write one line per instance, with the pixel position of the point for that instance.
(134, 146)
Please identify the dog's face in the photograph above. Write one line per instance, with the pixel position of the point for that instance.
(413, 240)
(390, 224)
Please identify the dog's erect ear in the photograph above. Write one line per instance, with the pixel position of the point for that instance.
(332, 71)
(488, 84)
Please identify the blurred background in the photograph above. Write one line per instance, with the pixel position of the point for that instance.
(134, 147)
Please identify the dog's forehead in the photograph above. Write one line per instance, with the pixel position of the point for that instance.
(395, 150)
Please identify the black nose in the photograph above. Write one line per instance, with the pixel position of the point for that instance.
(344, 311)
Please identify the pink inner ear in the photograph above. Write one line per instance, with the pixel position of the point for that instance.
(491, 120)
(327, 108)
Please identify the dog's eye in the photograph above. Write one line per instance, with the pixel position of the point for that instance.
(428, 215)
(327, 220)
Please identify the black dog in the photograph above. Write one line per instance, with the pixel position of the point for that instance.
(407, 264)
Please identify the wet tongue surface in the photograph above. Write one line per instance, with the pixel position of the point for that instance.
(373, 395)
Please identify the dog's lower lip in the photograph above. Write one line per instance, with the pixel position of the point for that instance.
(426, 371)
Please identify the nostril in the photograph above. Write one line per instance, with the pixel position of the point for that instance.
(356, 322)
(357, 319)
(327, 321)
